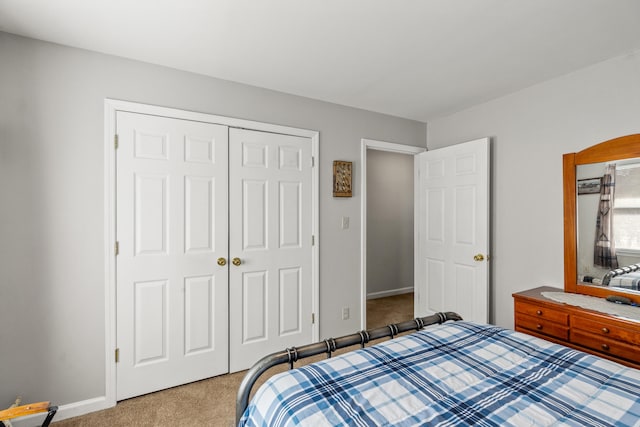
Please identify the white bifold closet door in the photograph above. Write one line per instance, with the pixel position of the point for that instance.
(180, 221)
(172, 296)
(270, 205)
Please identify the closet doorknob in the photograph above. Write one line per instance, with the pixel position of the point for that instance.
(236, 261)
(222, 262)
(478, 257)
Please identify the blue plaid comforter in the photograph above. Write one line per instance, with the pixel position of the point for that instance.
(453, 374)
(626, 281)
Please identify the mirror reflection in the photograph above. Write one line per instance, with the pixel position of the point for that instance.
(608, 222)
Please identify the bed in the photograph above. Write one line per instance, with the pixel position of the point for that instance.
(453, 373)
(626, 281)
(625, 277)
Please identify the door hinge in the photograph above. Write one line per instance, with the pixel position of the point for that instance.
(313, 161)
(115, 141)
(313, 240)
(116, 248)
(117, 354)
(313, 318)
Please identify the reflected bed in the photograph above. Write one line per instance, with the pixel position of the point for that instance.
(625, 278)
(626, 281)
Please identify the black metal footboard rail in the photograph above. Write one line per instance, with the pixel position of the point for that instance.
(328, 346)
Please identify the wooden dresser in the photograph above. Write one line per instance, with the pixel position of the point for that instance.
(593, 332)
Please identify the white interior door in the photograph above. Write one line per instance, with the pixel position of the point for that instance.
(452, 269)
(172, 226)
(270, 235)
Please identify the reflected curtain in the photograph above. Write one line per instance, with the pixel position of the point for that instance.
(604, 254)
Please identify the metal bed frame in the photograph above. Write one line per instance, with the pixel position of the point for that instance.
(328, 346)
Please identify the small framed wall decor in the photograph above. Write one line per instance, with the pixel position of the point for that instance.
(589, 186)
(342, 179)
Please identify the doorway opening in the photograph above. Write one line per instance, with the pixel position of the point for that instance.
(387, 235)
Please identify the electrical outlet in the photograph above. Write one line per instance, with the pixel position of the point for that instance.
(345, 222)
(345, 313)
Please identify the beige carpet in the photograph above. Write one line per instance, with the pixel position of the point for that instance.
(211, 402)
(395, 309)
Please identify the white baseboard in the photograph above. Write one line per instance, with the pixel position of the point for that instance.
(67, 411)
(382, 294)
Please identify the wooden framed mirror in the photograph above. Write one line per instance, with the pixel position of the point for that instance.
(582, 168)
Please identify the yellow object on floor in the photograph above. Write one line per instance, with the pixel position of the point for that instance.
(30, 409)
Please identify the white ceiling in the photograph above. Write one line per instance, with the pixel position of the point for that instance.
(417, 59)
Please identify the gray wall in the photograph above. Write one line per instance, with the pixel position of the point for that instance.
(52, 213)
(389, 222)
(530, 131)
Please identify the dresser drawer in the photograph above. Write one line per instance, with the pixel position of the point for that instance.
(605, 345)
(541, 312)
(605, 329)
(542, 326)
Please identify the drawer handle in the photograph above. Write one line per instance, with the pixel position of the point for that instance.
(605, 330)
(605, 346)
(539, 326)
(539, 312)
